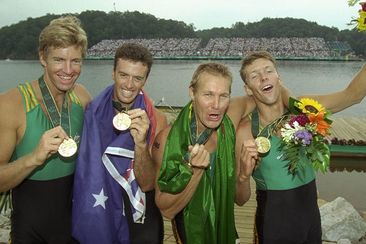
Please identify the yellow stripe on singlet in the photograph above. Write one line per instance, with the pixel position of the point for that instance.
(75, 99)
(30, 99)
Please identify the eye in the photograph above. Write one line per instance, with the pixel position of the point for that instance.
(77, 61)
(138, 78)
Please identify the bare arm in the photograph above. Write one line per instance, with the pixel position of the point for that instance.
(352, 94)
(143, 165)
(12, 128)
(246, 157)
(171, 204)
(240, 107)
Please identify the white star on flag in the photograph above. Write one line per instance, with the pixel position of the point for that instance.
(100, 199)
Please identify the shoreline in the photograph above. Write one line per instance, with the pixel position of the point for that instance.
(177, 58)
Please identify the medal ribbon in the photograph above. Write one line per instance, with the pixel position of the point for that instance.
(202, 138)
(118, 106)
(50, 104)
(266, 131)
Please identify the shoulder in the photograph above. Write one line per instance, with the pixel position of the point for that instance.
(240, 107)
(11, 105)
(160, 118)
(83, 94)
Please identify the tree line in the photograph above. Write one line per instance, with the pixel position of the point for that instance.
(20, 41)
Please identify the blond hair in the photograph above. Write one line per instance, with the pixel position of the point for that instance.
(63, 32)
(213, 69)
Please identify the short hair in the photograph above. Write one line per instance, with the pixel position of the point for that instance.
(134, 52)
(248, 60)
(211, 68)
(63, 32)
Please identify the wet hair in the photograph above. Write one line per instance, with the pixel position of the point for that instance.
(213, 69)
(134, 52)
(63, 32)
(248, 60)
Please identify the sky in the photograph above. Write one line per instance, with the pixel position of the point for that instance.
(203, 14)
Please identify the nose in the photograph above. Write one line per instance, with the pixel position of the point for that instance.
(67, 67)
(129, 81)
(216, 102)
(263, 76)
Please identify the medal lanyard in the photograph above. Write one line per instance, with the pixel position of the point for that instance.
(202, 138)
(268, 130)
(117, 105)
(52, 110)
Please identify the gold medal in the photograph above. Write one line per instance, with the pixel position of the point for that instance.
(263, 144)
(67, 148)
(121, 121)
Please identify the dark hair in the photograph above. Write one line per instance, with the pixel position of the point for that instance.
(134, 52)
(251, 58)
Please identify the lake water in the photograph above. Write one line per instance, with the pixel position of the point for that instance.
(170, 79)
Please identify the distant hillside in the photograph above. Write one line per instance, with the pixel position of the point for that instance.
(20, 41)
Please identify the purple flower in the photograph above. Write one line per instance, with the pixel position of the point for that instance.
(301, 119)
(304, 136)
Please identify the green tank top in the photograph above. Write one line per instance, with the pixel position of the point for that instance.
(272, 171)
(36, 124)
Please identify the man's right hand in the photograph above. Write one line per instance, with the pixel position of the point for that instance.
(199, 156)
(48, 144)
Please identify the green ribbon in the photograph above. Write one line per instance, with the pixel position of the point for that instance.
(50, 104)
(209, 216)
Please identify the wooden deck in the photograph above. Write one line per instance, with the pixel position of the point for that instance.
(349, 129)
(244, 219)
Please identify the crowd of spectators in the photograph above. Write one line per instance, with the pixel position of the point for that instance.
(313, 47)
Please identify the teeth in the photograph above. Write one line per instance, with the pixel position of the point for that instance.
(66, 77)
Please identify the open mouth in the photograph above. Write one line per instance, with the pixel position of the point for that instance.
(214, 117)
(267, 88)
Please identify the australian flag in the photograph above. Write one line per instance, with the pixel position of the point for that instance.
(104, 167)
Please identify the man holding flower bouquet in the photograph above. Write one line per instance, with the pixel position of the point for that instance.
(283, 147)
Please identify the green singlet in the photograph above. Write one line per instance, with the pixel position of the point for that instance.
(36, 124)
(272, 172)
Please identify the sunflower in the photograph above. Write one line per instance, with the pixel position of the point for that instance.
(309, 106)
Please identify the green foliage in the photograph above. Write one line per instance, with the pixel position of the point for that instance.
(20, 41)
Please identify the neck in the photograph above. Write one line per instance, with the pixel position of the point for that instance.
(57, 94)
(269, 113)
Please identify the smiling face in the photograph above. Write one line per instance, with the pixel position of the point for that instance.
(129, 78)
(210, 97)
(262, 81)
(62, 67)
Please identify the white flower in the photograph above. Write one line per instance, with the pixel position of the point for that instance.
(288, 132)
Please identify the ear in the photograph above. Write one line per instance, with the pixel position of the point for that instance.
(191, 93)
(113, 76)
(248, 90)
(42, 58)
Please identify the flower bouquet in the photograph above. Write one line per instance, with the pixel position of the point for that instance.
(303, 135)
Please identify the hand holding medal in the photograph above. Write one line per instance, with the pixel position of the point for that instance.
(263, 144)
(121, 121)
(67, 148)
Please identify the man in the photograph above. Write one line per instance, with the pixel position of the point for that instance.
(39, 119)
(114, 179)
(195, 156)
(287, 210)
